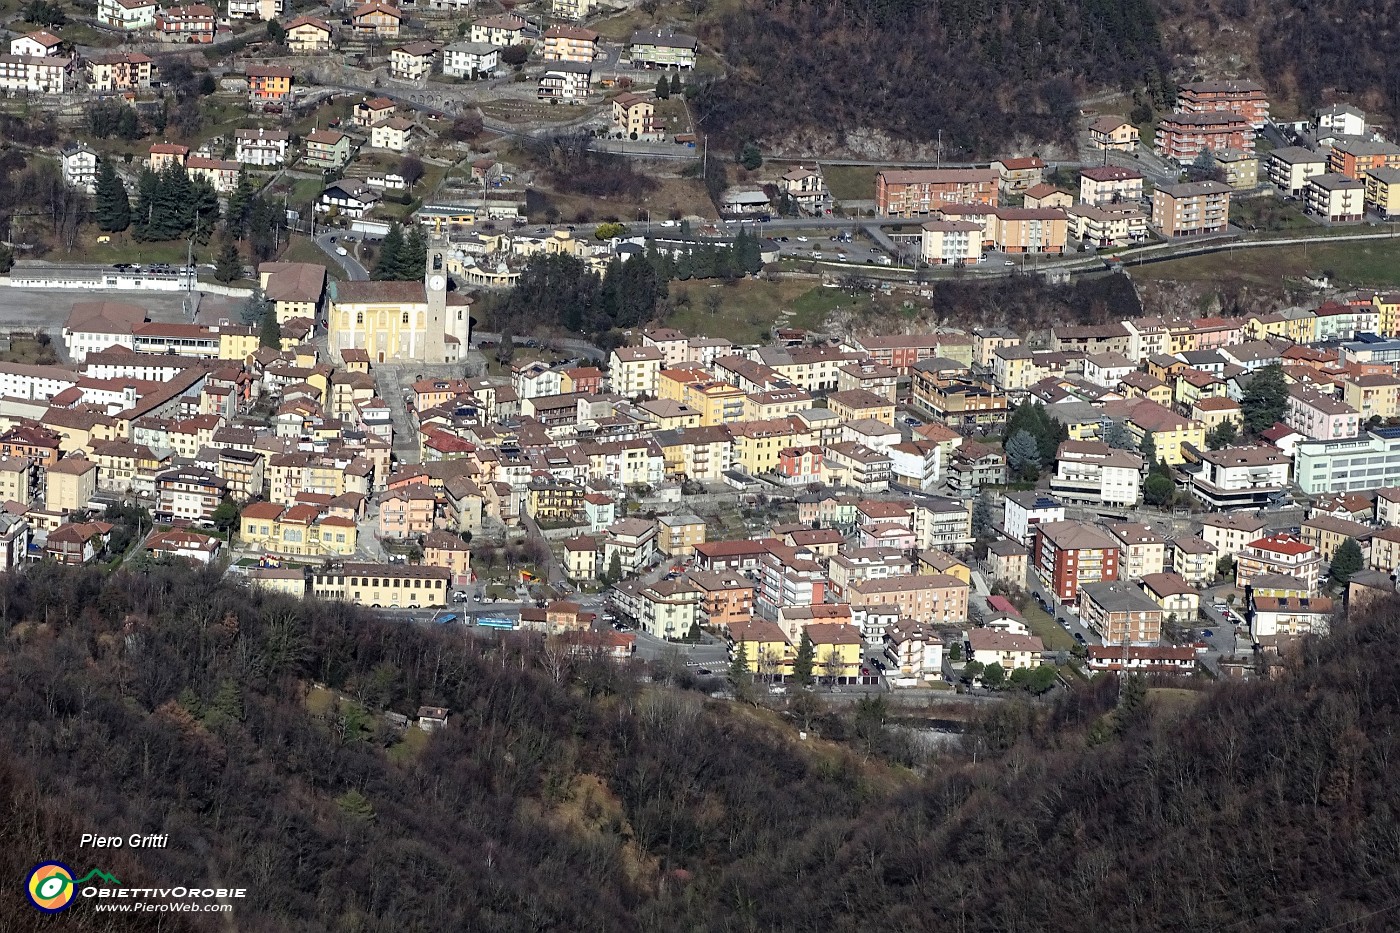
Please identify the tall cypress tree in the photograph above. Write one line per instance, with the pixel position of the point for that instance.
(113, 207)
(390, 255)
(413, 259)
(147, 188)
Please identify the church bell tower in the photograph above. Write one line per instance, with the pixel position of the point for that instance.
(435, 287)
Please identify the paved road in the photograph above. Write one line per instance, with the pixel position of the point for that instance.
(350, 264)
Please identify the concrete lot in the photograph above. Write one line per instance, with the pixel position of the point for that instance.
(31, 309)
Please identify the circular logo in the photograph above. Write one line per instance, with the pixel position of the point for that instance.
(50, 887)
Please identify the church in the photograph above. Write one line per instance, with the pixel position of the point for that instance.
(404, 322)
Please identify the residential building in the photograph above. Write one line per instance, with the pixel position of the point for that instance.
(1341, 120)
(1272, 616)
(1355, 157)
(381, 586)
(1245, 99)
(1281, 554)
(1019, 174)
(1025, 510)
(189, 493)
(573, 9)
(448, 551)
(472, 60)
(1192, 559)
(806, 187)
(1067, 555)
(566, 81)
(376, 18)
(70, 484)
(1113, 132)
(162, 154)
(1241, 168)
(1328, 532)
(1336, 198)
(1115, 225)
(79, 167)
(262, 10)
(190, 23)
(920, 192)
(1318, 416)
(367, 113)
(1290, 168)
(394, 134)
(1029, 230)
(38, 44)
(1141, 550)
(763, 645)
(1228, 534)
(1012, 652)
(635, 372)
(570, 44)
(633, 116)
(662, 48)
(934, 599)
(1144, 659)
(1176, 596)
(296, 531)
(118, 71)
(269, 84)
(677, 535)
(1120, 613)
(327, 148)
(348, 198)
(309, 34)
(502, 30)
(950, 242)
(127, 15)
(261, 146)
(1241, 477)
(221, 175)
(1193, 209)
(838, 650)
(670, 609)
(1109, 184)
(1184, 136)
(413, 62)
(1383, 192)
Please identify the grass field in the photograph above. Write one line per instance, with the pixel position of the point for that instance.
(1367, 262)
(301, 249)
(25, 349)
(850, 182)
(749, 308)
(1047, 629)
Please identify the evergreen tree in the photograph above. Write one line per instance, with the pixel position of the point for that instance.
(112, 206)
(413, 261)
(229, 264)
(739, 667)
(390, 259)
(1158, 490)
(1117, 436)
(676, 84)
(803, 662)
(1023, 455)
(240, 205)
(663, 88)
(993, 675)
(982, 517)
(1222, 435)
(1148, 447)
(1346, 561)
(750, 157)
(269, 331)
(147, 184)
(615, 568)
(1265, 399)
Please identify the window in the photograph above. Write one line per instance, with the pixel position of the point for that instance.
(405, 318)
(359, 317)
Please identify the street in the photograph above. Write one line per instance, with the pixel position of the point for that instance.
(327, 242)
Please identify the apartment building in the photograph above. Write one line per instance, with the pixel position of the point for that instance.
(1241, 477)
(1355, 157)
(570, 44)
(920, 192)
(1383, 192)
(662, 49)
(1336, 198)
(1120, 613)
(118, 71)
(1142, 551)
(1318, 416)
(192, 23)
(1193, 209)
(1184, 136)
(1289, 169)
(950, 242)
(1355, 464)
(1281, 554)
(1093, 473)
(1029, 230)
(1113, 132)
(1109, 184)
(296, 531)
(1066, 555)
(1245, 99)
(935, 599)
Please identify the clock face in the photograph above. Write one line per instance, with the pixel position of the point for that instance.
(436, 283)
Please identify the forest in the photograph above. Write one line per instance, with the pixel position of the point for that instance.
(983, 74)
(565, 793)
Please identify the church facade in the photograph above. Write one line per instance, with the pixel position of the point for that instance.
(401, 321)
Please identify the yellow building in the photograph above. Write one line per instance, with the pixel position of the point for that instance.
(448, 551)
(757, 444)
(237, 343)
(1383, 191)
(1168, 429)
(278, 580)
(296, 531)
(934, 561)
(1388, 307)
(16, 479)
(677, 535)
(393, 586)
(635, 371)
(401, 321)
(581, 558)
(308, 34)
(858, 404)
(765, 649)
(1372, 396)
(779, 403)
(70, 484)
(294, 288)
(838, 649)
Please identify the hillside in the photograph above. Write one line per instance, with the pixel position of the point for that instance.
(881, 78)
(885, 77)
(565, 795)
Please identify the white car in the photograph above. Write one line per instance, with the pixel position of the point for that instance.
(802, 239)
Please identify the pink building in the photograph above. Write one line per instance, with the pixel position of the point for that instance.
(407, 512)
(887, 535)
(1212, 333)
(1318, 416)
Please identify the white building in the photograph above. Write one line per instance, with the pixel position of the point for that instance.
(470, 59)
(255, 9)
(914, 652)
(566, 81)
(1341, 120)
(261, 146)
(1241, 477)
(1093, 473)
(1025, 510)
(79, 167)
(37, 44)
(129, 15)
